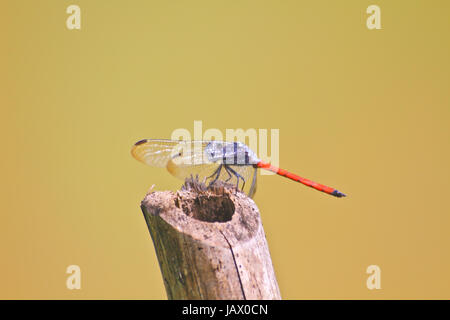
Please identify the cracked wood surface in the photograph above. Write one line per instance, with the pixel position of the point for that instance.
(210, 244)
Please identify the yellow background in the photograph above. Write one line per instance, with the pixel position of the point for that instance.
(367, 112)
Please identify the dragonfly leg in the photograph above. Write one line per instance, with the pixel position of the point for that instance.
(227, 170)
(216, 174)
(229, 174)
(237, 175)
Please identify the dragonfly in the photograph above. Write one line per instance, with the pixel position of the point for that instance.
(231, 162)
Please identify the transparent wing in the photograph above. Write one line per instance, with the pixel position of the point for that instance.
(187, 158)
(183, 171)
(158, 152)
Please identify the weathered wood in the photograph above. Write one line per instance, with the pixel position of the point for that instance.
(210, 244)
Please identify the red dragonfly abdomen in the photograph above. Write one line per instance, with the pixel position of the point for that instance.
(306, 182)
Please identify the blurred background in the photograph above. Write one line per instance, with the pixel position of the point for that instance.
(365, 111)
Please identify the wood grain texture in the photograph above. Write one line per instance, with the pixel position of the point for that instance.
(210, 244)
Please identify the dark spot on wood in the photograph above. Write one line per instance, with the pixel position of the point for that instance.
(207, 203)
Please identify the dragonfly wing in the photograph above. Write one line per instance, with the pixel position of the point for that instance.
(158, 152)
(182, 171)
(252, 189)
(184, 159)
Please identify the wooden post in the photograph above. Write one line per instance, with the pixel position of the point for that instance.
(210, 243)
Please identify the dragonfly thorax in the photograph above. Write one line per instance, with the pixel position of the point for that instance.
(231, 153)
